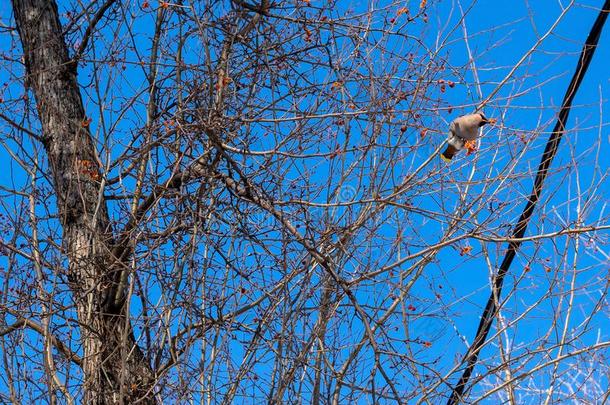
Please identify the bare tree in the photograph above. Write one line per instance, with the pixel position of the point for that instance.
(227, 202)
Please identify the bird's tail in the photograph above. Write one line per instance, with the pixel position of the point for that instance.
(447, 155)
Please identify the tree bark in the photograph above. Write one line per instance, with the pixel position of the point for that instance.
(114, 367)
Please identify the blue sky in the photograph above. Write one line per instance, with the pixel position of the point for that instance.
(499, 34)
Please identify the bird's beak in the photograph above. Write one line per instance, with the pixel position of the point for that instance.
(492, 121)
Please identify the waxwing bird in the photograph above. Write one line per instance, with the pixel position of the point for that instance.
(462, 130)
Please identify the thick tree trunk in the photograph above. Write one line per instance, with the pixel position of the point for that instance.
(114, 368)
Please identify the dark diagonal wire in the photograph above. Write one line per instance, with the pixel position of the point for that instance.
(552, 144)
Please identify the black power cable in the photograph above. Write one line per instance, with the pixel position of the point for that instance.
(552, 144)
